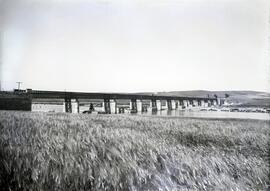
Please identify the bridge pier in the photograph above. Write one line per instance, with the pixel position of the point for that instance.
(176, 104)
(195, 103)
(135, 106)
(75, 108)
(109, 106)
(155, 105)
(71, 106)
(185, 103)
(202, 103)
(64, 106)
(67, 105)
(144, 108)
(113, 106)
(219, 101)
(106, 106)
(181, 104)
(173, 104)
(206, 104)
(190, 103)
(139, 105)
(199, 102)
(163, 105)
(159, 107)
(169, 104)
(209, 103)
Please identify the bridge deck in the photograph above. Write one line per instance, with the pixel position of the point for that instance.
(83, 95)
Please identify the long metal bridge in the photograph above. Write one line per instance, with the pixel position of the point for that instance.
(71, 100)
(110, 100)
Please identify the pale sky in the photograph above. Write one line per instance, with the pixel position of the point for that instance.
(135, 45)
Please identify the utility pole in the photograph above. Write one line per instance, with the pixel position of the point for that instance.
(19, 85)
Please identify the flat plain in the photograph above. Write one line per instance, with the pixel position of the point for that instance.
(60, 151)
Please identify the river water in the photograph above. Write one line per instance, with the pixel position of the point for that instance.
(211, 114)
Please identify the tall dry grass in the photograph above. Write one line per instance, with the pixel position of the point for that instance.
(42, 151)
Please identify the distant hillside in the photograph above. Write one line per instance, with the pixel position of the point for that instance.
(243, 98)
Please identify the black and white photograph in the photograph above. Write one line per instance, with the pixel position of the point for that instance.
(134, 95)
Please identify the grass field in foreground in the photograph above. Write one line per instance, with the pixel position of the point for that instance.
(45, 151)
